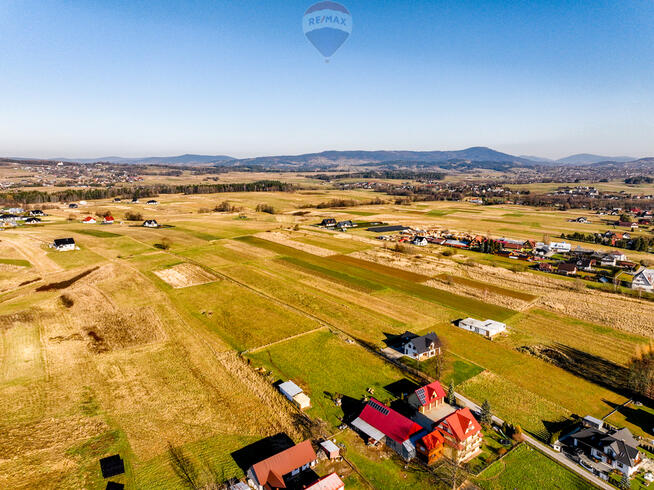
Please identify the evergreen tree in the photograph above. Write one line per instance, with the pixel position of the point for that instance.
(486, 417)
(451, 399)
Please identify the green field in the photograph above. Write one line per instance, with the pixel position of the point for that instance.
(18, 262)
(526, 468)
(323, 364)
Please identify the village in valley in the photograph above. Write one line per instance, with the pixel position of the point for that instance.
(325, 338)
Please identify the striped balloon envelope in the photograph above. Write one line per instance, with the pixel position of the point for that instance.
(327, 25)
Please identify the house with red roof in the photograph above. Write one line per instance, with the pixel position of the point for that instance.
(430, 447)
(427, 397)
(88, 220)
(108, 220)
(276, 471)
(379, 423)
(462, 435)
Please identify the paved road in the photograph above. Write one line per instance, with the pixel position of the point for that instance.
(559, 457)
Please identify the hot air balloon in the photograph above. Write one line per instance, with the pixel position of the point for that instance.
(327, 25)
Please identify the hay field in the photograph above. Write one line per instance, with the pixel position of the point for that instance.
(134, 340)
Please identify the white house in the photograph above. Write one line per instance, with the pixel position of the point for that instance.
(615, 449)
(420, 241)
(421, 347)
(560, 246)
(489, 328)
(63, 244)
(643, 280)
(151, 223)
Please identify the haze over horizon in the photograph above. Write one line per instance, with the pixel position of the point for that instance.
(136, 79)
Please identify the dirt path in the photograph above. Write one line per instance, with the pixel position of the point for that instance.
(29, 248)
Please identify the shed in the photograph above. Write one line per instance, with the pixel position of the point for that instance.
(331, 450)
(302, 401)
(590, 421)
(289, 389)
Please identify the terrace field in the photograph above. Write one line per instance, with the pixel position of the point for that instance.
(149, 336)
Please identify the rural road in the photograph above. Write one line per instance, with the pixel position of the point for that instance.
(559, 457)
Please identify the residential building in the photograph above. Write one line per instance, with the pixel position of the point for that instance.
(379, 423)
(643, 280)
(430, 447)
(488, 328)
(32, 221)
(419, 241)
(151, 223)
(560, 246)
(345, 224)
(88, 220)
(615, 450)
(462, 435)
(276, 471)
(421, 347)
(63, 244)
(566, 269)
(108, 220)
(36, 212)
(328, 222)
(427, 397)
(152, 202)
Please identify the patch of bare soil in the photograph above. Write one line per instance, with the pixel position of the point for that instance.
(185, 275)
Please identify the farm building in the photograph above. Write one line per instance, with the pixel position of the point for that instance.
(63, 244)
(328, 222)
(331, 450)
(108, 220)
(295, 394)
(489, 328)
(421, 347)
(89, 220)
(430, 447)
(643, 280)
(151, 223)
(379, 423)
(329, 482)
(462, 435)
(276, 471)
(427, 397)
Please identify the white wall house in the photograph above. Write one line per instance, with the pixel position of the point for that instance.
(643, 280)
(560, 246)
(488, 328)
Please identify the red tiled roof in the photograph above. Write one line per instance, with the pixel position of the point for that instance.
(431, 392)
(272, 470)
(386, 420)
(89, 218)
(462, 424)
(433, 440)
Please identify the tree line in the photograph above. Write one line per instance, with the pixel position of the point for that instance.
(68, 195)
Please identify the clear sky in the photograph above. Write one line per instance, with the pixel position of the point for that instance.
(87, 78)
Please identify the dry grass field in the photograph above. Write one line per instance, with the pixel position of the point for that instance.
(148, 336)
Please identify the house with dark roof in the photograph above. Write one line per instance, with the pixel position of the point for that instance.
(328, 222)
(345, 224)
(279, 470)
(566, 269)
(32, 221)
(63, 244)
(379, 423)
(462, 435)
(421, 347)
(151, 223)
(36, 212)
(603, 451)
(427, 397)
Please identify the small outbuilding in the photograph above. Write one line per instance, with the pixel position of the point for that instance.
(488, 328)
(295, 394)
(331, 450)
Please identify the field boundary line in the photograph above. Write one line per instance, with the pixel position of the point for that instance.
(262, 347)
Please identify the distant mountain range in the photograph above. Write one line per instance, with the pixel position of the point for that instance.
(186, 159)
(478, 156)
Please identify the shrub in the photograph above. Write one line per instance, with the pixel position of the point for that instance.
(448, 252)
(400, 248)
(224, 207)
(265, 208)
(501, 451)
(66, 300)
(133, 216)
(164, 245)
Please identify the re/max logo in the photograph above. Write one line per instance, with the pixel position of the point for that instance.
(327, 19)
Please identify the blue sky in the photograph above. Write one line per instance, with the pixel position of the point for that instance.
(91, 78)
